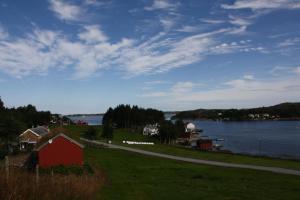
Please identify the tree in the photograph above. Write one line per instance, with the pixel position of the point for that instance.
(1, 105)
(125, 116)
(10, 128)
(91, 133)
(167, 132)
(180, 127)
(107, 131)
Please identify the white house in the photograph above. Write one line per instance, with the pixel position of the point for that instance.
(151, 129)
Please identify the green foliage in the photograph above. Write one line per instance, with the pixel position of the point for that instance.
(91, 133)
(14, 121)
(1, 105)
(107, 131)
(180, 127)
(125, 116)
(284, 110)
(10, 128)
(168, 131)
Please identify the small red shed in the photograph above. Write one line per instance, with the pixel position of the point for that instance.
(205, 144)
(60, 150)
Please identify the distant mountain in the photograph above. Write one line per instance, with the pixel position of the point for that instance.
(277, 112)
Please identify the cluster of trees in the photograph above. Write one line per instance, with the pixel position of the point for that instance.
(169, 131)
(125, 116)
(15, 120)
(280, 111)
(92, 133)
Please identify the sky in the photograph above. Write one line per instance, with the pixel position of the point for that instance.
(84, 56)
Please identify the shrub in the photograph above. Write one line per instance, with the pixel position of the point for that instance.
(22, 185)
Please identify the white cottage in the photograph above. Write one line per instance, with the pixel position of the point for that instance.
(151, 129)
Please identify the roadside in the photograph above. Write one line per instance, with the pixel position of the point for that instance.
(198, 161)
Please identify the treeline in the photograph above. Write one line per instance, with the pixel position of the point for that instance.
(280, 111)
(15, 120)
(134, 117)
(126, 116)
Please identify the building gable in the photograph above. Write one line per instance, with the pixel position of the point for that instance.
(29, 135)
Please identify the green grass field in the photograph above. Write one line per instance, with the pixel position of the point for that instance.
(123, 134)
(134, 176)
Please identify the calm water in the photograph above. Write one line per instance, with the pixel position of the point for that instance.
(271, 138)
(91, 120)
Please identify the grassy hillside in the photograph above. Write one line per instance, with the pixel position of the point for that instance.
(134, 176)
(124, 134)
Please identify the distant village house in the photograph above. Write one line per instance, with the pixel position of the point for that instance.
(151, 130)
(29, 138)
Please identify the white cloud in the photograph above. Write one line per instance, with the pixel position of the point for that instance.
(37, 52)
(289, 42)
(238, 31)
(189, 29)
(162, 5)
(154, 94)
(213, 21)
(44, 49)
(65, 11)
(263, 4)
(239, 21)
(93, 34)
(146, 58)
(156, 82)
(167, 23)
(247, 89)
(3, 33)
(183, 87)
(248, 77)
(97, 3)
(297, 70)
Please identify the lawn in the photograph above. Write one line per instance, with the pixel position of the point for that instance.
(134, 176)
(123, 134)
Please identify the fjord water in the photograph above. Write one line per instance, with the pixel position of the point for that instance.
(269, 138)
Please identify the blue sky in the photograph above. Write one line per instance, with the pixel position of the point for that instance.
(86, 55)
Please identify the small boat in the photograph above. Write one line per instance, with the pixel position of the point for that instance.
(217, 146)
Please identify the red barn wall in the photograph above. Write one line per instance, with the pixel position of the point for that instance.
(205, 145)
(60, 152)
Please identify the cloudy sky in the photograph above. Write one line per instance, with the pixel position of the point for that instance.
(82, 56)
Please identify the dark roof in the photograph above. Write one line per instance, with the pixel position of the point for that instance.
(40, 130)
(44, 141)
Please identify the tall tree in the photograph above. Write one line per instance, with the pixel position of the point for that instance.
(107, 131)
(1, 105)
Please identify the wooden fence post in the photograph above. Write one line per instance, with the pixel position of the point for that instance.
(7, 167)
(37, 173)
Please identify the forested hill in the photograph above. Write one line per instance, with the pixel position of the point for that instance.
(276, 112)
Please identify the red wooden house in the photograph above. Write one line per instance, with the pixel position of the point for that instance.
(59, 150)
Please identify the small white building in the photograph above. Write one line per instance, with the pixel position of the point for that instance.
(190, 127)
(151, 130)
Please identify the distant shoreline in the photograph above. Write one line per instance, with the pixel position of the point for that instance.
(246, 120)
(78, 115)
